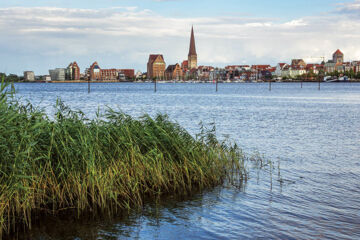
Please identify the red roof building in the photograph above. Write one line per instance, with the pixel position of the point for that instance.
(260, 67)
(156, 66)
(338, 57)
(184, 65)
(129, 73)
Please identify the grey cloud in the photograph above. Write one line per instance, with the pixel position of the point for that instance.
(352, 8)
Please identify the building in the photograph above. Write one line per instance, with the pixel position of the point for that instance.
(279, 69)
(29, 76)
(138, 75)
(73, 71)
(260, 67)
(204, 72)
(356, 66)
(156, 66)
(94, 72)
(46, 78)
(298, 63)
(173, 72)
(297, 71)
(338, 57)
(266, 74)
(329, 67)
(185, 65)
(110, 74)
(129, 73)
(313, 68)
(192, 56)
(57, 74)
(238, 67)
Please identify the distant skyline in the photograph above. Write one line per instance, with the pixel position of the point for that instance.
(41, 35)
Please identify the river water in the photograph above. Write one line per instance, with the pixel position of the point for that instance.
(313, 135)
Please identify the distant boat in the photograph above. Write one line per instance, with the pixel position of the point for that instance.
(335, 79)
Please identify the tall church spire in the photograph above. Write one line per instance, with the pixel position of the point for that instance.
(192, 57)
(192, 49)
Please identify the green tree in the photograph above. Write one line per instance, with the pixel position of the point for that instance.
(351, 73)
(12, 78)
(357, 76)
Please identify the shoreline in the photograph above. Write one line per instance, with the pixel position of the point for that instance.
(171, 81)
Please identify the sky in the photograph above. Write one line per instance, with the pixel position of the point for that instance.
(39, 35)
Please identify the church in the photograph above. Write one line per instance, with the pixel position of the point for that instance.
(192, 56)
(191, 62)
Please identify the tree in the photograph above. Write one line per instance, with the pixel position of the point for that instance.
(351, 73)
(12, 78)
(357, 75)
(311, 75)
(2, 75)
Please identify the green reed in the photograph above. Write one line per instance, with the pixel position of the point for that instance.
(106, 164)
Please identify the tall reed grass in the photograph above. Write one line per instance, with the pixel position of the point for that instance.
(107, 164)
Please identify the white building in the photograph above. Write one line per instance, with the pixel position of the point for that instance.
(138, 74)
(46, 78)
(280, 68)
(291, 72)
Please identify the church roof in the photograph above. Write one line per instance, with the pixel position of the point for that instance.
(192, 49)
(338, 52)
(153, 57)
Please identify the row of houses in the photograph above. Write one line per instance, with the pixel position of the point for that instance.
(297, 67)
(94, 72)
(337, 65)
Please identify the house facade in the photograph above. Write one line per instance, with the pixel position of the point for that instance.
(173, 72)
(73, 71)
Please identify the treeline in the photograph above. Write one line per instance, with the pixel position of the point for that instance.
(11, 77)
(351, 74)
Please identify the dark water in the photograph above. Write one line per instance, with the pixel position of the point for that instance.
(313, 135)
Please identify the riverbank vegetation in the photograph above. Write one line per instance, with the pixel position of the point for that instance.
(108, 164)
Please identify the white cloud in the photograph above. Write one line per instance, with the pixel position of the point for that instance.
(42, 38)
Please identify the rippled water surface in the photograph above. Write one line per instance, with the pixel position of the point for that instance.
(313, 135)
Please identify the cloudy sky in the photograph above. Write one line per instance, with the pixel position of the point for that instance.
(38, 35)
